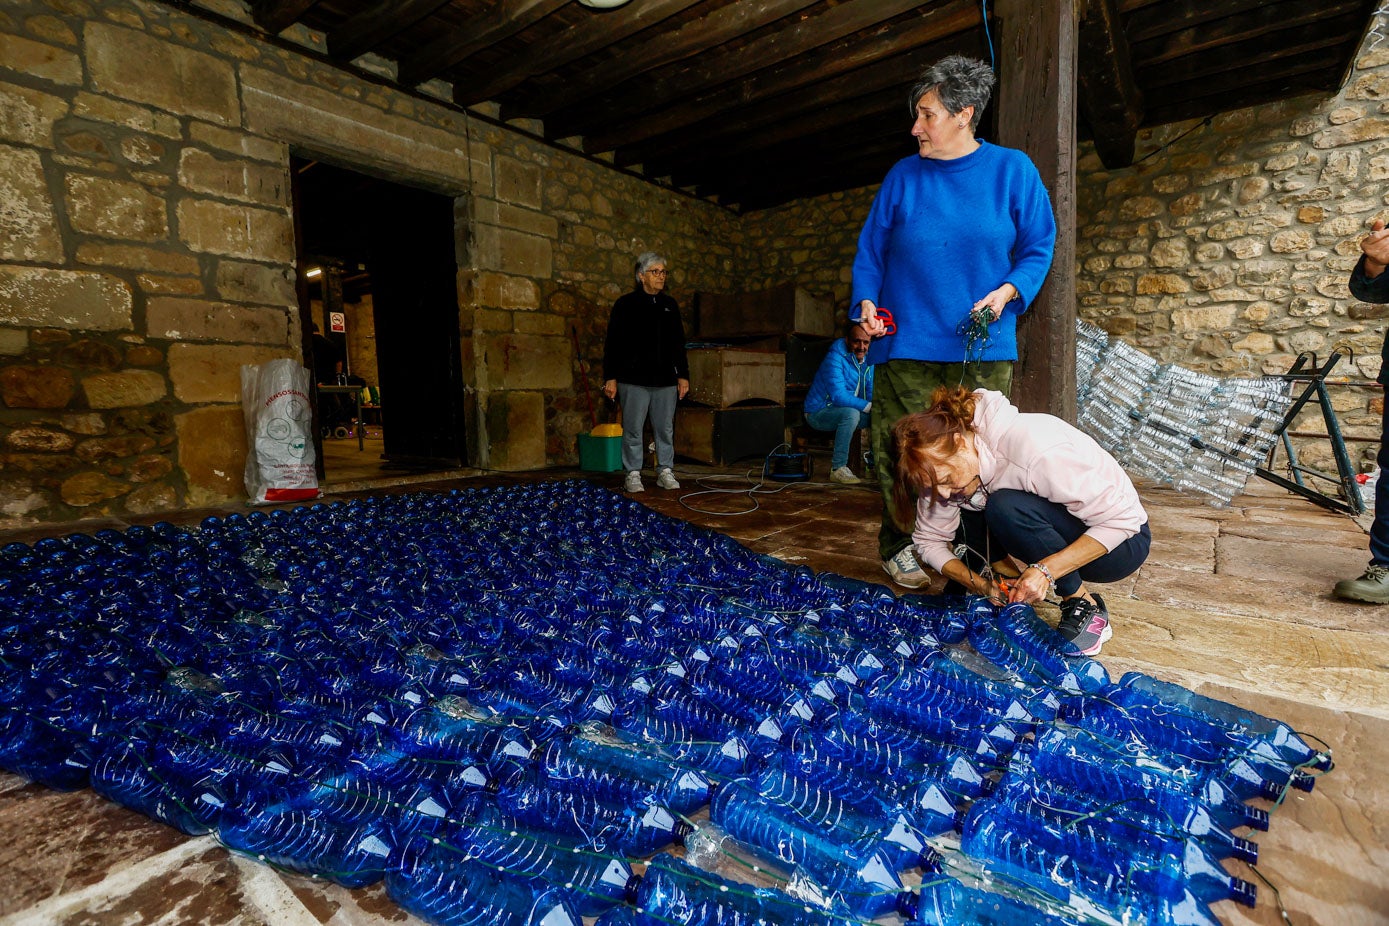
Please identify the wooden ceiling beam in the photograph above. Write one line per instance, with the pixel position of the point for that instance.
(1269, 17)
(372, 27)
(669, 90)
(1331, 33)
(722, 25)
(711, 132)
(1320, 73)
(1154, 20)
(868, 165)
(503, 20)
(847, 55)
(275, 16)
(1109, 95)
(839, 119)
(596, 33)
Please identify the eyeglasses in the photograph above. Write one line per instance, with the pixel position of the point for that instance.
(861, 342)
(657, 272)
(972, 499)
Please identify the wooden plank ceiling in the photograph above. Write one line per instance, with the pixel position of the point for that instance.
(757, 102)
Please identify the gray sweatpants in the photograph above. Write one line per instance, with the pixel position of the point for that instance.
(639, 402)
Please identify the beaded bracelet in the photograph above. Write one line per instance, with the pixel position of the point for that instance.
(1051, 583)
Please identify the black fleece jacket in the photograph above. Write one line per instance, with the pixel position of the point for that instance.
(646, 341)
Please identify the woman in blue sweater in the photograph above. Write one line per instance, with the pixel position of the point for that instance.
(960, 227)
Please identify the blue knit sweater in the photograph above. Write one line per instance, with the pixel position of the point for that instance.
(942, 235)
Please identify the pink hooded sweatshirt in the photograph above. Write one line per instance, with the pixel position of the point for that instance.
(1043, 455)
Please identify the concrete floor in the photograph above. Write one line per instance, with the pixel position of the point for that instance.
(1234, 603)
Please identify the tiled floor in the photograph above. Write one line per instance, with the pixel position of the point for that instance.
(1232, 602)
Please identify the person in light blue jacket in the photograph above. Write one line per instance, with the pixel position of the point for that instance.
(841, 397)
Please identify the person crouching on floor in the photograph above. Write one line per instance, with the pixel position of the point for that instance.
(974, 470)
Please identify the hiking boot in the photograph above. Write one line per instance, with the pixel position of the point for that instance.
(905, 570)
(844, 476)
(1086, 625)
(666, 479)
(633, 483)
(1373, 586)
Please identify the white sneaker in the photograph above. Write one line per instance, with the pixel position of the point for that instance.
(633, 483)
(666, 480)
(844, 476)
(905, 570)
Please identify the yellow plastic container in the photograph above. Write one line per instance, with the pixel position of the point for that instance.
(607, 430)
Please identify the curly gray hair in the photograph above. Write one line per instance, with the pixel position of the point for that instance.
(648, 259)
(959, 82)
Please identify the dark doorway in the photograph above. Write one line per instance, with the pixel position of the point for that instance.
(393, 244)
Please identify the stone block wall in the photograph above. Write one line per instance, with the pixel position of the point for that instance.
(147, 251)
(1227, 247)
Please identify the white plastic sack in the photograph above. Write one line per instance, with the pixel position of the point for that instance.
(279, 446)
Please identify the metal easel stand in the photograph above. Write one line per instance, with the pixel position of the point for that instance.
(1305, 370)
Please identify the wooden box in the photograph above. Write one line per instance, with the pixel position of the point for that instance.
(782, 310)
(725, 376)
(724, 435)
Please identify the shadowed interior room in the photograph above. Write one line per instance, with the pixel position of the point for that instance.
(421, 215)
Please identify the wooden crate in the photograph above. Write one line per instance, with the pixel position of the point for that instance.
(782, 310)
(725, 435)
(725, 376)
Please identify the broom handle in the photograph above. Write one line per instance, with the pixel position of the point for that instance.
(583, 369)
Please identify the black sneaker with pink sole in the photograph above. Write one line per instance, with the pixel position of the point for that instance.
(1086, 625)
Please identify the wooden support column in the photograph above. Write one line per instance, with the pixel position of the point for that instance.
(1037, 114)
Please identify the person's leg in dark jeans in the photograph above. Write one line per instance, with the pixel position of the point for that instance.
(1373, 584)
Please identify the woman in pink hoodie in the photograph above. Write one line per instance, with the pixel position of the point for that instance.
(972, 469)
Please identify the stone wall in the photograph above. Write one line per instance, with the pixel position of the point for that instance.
(1228, 246)
(147, 250)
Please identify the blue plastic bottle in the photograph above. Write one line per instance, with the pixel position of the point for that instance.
(856, 874)
(629, 831)
(589, 881)
(353, 856)
(1138, 811)
(1203, 716)
(1056, 855)
(1246, 773)
(1099, 765)
(451, 891)
(895, 827)
(944, 901)
(614, 771)
(672, 891)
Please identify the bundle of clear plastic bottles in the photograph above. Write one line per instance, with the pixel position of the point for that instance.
(545, 702)
(1191, 430)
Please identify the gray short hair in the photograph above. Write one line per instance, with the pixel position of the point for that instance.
(959, 82)
(646, 259)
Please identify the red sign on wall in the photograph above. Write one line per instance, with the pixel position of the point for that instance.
(337, 321)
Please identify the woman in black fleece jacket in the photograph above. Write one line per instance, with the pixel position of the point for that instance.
(645, 368)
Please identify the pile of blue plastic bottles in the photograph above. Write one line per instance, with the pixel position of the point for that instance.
(545, 702)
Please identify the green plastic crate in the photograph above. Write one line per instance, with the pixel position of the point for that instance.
(600, 454)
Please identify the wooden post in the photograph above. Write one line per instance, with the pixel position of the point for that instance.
(1037, 114)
